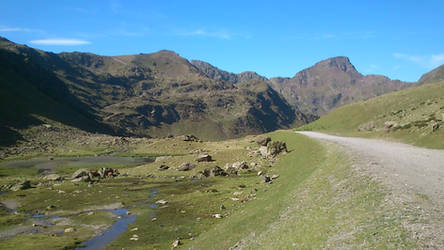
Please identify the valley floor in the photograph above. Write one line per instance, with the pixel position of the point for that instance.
(347, 194)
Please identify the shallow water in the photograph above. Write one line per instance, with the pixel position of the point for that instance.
(119, 227)
(47, 165)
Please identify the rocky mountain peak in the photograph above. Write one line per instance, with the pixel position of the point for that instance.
(340, 63)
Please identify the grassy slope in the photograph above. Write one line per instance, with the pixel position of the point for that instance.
(317, 202)
(415, 109)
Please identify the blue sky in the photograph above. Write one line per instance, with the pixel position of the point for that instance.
(400, 39)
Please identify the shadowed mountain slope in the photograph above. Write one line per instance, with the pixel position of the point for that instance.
(144, 95)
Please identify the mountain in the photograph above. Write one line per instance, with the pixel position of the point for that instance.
(435, 75)
(332, 83)
(218, 74)
(141, 95)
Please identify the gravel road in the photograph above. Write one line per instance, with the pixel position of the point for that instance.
(415, 177)
(420, 169)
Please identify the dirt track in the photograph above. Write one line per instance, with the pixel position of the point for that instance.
(419, 169)
(414, 175)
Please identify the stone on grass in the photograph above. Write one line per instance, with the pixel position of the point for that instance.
(176, 243)
(240, 165)
(263, 141)
(214, 171)
(53, 177)
(266, 178)
(163, 167)
(275, 176)
(162, 202)
(21, 186)
(69, 230)
(84, 178)
(217, 216)
(80, 173)
(204, 158)
(186, 167)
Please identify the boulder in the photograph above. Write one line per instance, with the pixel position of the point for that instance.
(21, 186)
(162, 202)
(189, 138)
(391, 125)
(53, 177)
(232, 171)
(80, 173)
(163, 167)
(176, 243)
(266, 178)
(263, 141)
(84, 178)
(264, 151)
(186, 167)
(276, 147)
(272, 149)
(214, 171)
(240, 165)
(204, 158)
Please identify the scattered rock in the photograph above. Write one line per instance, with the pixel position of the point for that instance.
(84, 178)
(214, 171)
(204, 158)
(50, 207)
(263, 141)
(260, 173)
(21, 186)
(276, 147)
(266, 178)
(222, 207)
(186, 167)
(69, 230)
(189, 138)
(391, 126)
(162, 202)
(275, 176)
(435, 126)
(217, 216)
(53, 177)
(253, 164)
(176, 243)
(240, 165)
(163, 167)
(237, 193)
(232, 171)
(80, 173)
(154, 219)
(134, 229)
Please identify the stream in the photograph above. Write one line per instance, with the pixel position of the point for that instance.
(118, 228)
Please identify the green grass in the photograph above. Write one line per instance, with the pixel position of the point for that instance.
(317, 202)
(415, 110)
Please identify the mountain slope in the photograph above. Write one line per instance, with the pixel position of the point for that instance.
(145, 95)
(435, 75)
(332, 83)
(414, 115)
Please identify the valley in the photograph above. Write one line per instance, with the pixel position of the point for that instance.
(153, 151)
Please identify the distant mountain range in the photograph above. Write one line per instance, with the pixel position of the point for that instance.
(162, 93)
